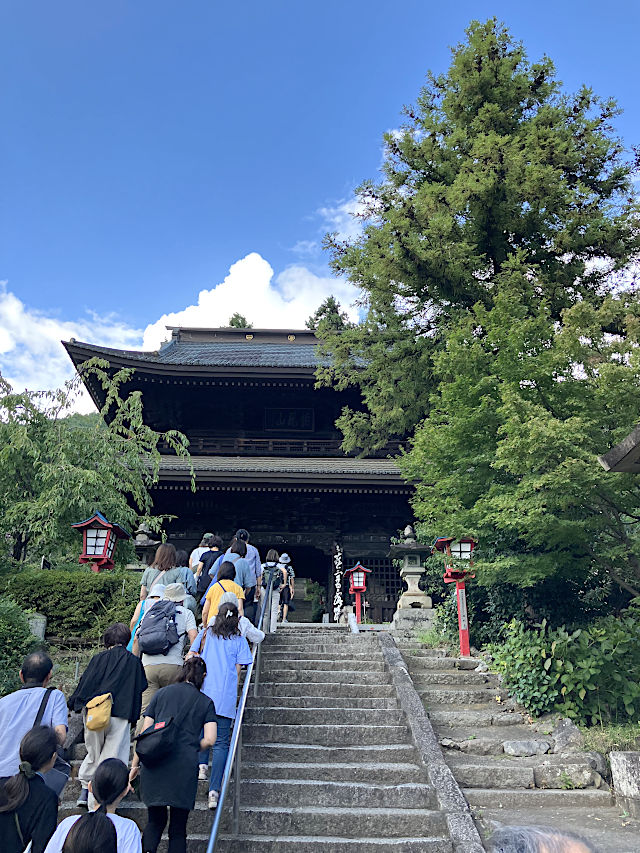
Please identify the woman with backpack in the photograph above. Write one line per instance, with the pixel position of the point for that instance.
(224, 651)
(161, 637)
(171, 781)
(117, 674)
(28, 808)
(110, 786)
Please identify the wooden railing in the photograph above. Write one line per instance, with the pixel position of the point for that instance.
(208, 445)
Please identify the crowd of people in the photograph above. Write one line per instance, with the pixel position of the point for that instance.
(170, 677)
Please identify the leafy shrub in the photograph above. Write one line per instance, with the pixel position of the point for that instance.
(16, 641)
(78, 602)
(591, 674)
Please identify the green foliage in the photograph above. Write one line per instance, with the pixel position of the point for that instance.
(591, 674)
(621, 737)
(16, 641)
(494, 166)
(317, 594)
(77, 602)
(239, 321)
(329, 316)
(56, 469)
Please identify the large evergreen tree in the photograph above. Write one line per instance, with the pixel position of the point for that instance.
(501, 339)
(494, 164)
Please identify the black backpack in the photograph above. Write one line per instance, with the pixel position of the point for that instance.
(158, 631)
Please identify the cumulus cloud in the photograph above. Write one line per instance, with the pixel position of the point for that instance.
(250, 288)
(31, 355)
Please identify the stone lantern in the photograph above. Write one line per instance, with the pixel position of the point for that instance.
(415, 607)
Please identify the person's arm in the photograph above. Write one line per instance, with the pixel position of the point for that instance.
(210, 734)
(198, 569)
(59, 716)
(135, 764)
(135, 648)
(192, 634)
(205, 612)
(134, 618)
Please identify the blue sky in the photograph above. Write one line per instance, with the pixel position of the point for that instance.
(148, 147)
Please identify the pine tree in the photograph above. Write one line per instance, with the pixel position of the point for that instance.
(329, 315)
(494, 166)
(239, 321)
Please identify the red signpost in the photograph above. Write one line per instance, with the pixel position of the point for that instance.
(453, 573)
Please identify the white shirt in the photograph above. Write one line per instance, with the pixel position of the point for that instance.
(249, 631)
(196, 554)
(127, 832)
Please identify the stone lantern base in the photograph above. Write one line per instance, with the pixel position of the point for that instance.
(411, 618)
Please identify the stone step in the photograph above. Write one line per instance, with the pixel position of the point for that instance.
(357, 667)
(322, 716)
(328, 844)
(488, 741)
(325, 735)
(414, 648)
(289, 753)
(343, 676)
(200, 819)
(428, 678)
(318, 821)
(425, 662)
(448, 716)
(312, 653)
(365, 704)
(296, 793)
(494, 777)
(459, 695)
(354, 771)
(536, 798)
(328, 688)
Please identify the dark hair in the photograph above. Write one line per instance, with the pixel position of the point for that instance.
(227, 571)
(109, 781)
(193, 671)
(36, 748)
(226, 626)
(216, 542)
(165, 557)
(36, 667)
(272, 556)
(239, 547)
(242, 534)
(92, 833)
(116, 635)
(182, 558)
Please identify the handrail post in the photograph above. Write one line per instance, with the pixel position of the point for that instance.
(256, 677)
(237, 775)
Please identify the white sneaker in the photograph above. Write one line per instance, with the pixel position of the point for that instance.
(202, 772)
(213, 799)
(285, 621)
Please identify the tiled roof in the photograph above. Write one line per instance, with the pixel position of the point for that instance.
(217, 354)
(280, 465)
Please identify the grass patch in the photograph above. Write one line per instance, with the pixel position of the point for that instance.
(65, 663)
(623, 737)
(433, 638)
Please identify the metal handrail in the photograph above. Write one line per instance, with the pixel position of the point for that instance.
(236, 737)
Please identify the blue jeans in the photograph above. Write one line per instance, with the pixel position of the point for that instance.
(220, 752)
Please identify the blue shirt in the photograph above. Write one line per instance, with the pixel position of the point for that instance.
(18, 712)
(221, 681)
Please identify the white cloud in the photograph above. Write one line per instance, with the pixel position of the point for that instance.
(342, 218)
(306, 248)
(31, 355)
(250, 288)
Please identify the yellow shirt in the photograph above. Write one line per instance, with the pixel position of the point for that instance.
(216, 592)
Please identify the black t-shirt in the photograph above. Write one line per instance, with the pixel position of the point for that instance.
(207, 559)
(37, 817)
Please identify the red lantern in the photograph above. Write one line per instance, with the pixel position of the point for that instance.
(454, 573)
(357, 585)
(99, 538)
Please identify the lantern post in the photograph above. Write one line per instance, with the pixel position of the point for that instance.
(99, 538)
(358, 585)
(453, 573)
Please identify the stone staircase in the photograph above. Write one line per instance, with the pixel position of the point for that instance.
(327, 759)
(510, 770)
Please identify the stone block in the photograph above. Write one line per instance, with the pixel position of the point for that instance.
(625, 773)
(408, 618)
(526, 747)
(564, 776)
(567, 737)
